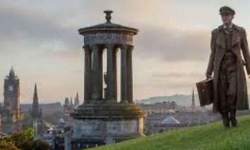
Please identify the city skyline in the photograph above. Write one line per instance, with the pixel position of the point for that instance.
(41, 42)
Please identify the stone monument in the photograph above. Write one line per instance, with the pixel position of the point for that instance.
(101, 119)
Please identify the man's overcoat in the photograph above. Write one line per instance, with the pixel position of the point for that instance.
(239, 48)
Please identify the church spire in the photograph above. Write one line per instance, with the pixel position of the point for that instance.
(76, 100)
(35, 106)
(12, 72)
(193, 101)
(77, 96)
(35, 97)
(71, 101)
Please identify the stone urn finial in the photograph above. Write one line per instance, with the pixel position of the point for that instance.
(108, 15)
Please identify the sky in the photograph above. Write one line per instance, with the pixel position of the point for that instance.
(40, 40)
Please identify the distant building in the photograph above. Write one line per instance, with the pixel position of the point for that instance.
(161, 107)
(69, 107)
(169, 123)
(77, 102)
(36, 114)
(71, 101)
(0, 122)
(193, 101)
(11, 113)
(36, 110)
(157, 122)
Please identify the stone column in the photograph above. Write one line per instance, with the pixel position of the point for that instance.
(101, 73)
(87, 76)
(111, 73)
(130, 74)
(115, 72)
(124, 73)
(97, 74)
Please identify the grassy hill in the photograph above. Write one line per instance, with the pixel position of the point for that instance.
(206, 137)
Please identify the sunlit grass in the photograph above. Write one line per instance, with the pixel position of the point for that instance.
(206, 137)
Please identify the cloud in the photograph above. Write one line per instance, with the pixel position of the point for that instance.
(35, 28)
(173, 44)
(175, 75)
(38, 29)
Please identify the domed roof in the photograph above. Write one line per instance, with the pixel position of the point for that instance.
(108, 26)
(61, 120)
(170, 121)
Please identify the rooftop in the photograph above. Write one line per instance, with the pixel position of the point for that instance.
(107, 26)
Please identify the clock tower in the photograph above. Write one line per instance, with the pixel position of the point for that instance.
(12, 116)
(12, 93)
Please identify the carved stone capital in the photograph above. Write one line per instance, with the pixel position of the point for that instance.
(130, 47)
(94, 46)
(123, 47)
(110, 46)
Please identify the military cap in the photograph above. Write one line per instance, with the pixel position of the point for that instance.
(226, 10)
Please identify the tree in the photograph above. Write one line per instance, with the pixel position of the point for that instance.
(40, 145)
(23, 138)
(7, 144)
(25, 141)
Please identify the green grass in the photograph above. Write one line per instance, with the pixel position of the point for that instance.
(205, 137)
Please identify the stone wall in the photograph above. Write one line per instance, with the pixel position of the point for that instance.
(103, 129)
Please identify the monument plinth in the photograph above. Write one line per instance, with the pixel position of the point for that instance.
(101, 119)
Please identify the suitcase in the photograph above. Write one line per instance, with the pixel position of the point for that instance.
(205, 91)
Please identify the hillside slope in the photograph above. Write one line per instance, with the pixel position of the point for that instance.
(206, 137)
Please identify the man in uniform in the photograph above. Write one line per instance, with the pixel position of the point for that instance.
(228, 43)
